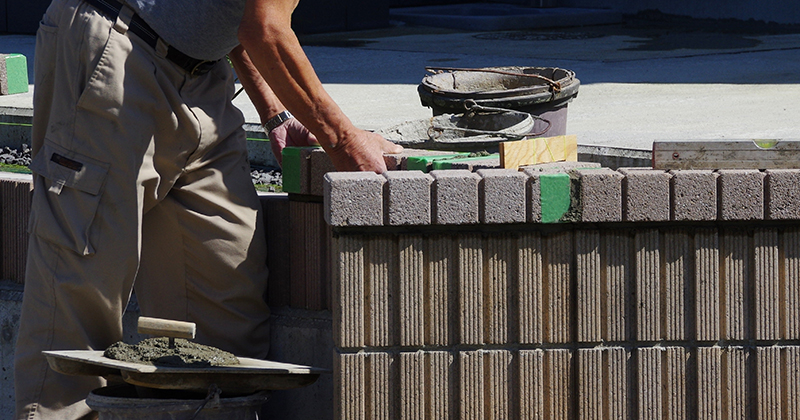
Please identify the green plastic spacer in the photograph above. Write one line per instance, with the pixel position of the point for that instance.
(554, 190)
(15, 76)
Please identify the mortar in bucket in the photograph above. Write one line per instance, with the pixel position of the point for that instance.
(544, 92)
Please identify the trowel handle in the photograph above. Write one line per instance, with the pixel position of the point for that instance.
(166, 328)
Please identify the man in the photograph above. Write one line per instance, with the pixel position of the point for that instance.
(141, 175)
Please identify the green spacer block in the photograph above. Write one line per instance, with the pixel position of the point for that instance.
(554, 191)
(290, 169)
(448, 163)
(425, 163)
(15, 76)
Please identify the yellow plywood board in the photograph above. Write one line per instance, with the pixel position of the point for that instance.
(514, 154)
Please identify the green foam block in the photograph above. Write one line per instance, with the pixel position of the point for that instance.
(426, 163)
(13, 74)
(448, 163)
(554, 190)
(290, 168)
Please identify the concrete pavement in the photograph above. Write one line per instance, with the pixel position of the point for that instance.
(640, 82)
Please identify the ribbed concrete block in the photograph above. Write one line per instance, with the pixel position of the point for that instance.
(349, 390)
(382, 386)
(741, 194)
(381, 283)
(591, 403)
(589, 274)
(15, 199)
(600, 194)
(791, 260)
(455, 197)
(737, 281)
(558, 379)
(618, 286)
(501, 264)
(617, 383)
(648, 285)
(412, 385)
(442, 389)
(677, 276)
(309, 256)
(769, 383)
(276, 220)
(353, 198)
(531, 384)
(502, 196)
(557, 303)
(348, 292)
(443, 259)
(767, 284)
(650, 383)
(320, 164)
(646, 195)
(737, 366)
(407, 198)
(709, 383)
(529, 260)
(412, 290)
(792, 368)
(707, 280)
(470, 289)
(694, 195)
(500, 378)
(783, 194)
(472, 385)
(676, 405)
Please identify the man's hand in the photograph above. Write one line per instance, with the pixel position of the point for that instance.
(362, 151)
(290, 133)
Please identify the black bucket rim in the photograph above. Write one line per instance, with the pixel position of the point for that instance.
(567, 85)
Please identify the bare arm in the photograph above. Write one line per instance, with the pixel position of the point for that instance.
(266, 35)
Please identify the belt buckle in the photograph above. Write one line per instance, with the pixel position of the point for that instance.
(198, 68)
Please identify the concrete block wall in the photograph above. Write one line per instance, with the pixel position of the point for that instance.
(678, 300)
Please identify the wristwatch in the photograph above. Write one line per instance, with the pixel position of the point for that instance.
(277, 120)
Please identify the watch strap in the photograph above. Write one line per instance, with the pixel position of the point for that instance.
(277, 120)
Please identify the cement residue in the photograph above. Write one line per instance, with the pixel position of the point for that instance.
(156, 351)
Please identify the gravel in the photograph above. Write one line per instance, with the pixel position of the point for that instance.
(266, 179)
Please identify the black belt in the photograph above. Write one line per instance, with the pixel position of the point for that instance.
(193, 66)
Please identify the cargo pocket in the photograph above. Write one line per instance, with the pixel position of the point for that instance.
(68, 194)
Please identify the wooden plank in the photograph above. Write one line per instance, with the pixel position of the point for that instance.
(733, 154)
(514, 154)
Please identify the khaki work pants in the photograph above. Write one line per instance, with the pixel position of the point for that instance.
(140, 176)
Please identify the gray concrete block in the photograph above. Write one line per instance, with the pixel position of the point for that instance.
(694, 195)
(651, 396)
(440, 326)
(529, 248)
(791, 356)
(707, 281)
(618, 378)
(442, 388)
(500, 378)
(737, 282)
(470, 289)
(737, 362)
(407, 198)
(767, 284)
(709, 382)
(559, 367)
(501, 275)
(276, 219)
(676, 376)
(533, 192)
(770, 383)
(562, 166)
(791, 252)
(319, 164)
(531, 384)
(677, 275)
(381, 288)
(472, 385)
(349, 386)
(646, 195)
(648, 285)
(599, 193)
(502, 196)
(558, 319)
(348, 292)
(590, 384)
(412, 385)
(15, 200)
(783, 194)
(741, 194)
(618, 251)
(382, 386)
(477, 164)
(411, 279)
(589, 274)
(455, 197)
(309, 259)
(353, 199)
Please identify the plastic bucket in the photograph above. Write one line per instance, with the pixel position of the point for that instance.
(541, 91)
(123, 402)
